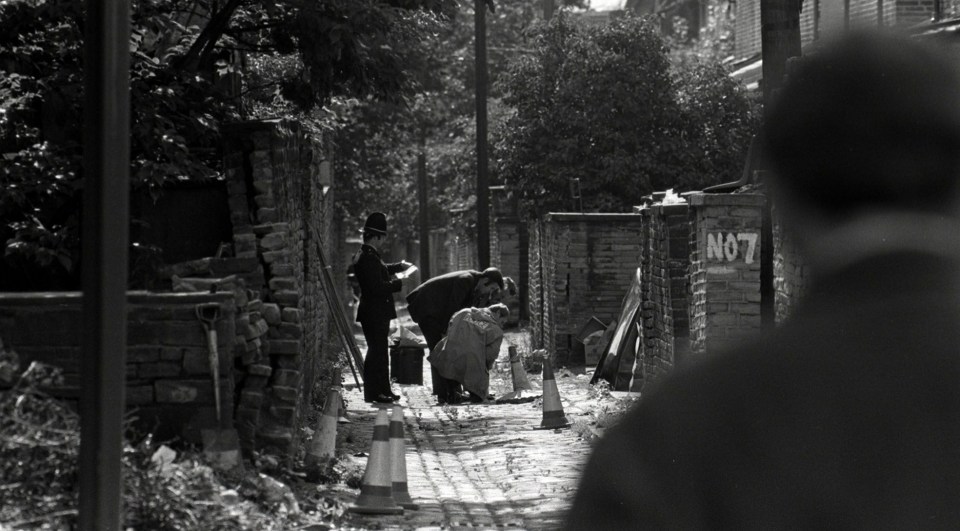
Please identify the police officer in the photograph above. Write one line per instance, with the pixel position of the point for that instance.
(375, 310)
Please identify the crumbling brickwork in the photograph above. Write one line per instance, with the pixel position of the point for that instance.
(282, 207)
(273, 319)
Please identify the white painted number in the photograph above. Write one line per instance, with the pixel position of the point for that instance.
(751, 239)
(728, 248)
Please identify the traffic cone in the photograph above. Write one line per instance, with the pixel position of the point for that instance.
(337, 382)
(553, 416)
(398, 461)
(376, 492)
(520, 382)
(324, 441)
(342, 416)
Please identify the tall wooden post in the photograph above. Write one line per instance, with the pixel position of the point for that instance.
(104, 261)
(483, 193)
(547, 10)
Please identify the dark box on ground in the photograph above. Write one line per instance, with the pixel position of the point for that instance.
(406, 365)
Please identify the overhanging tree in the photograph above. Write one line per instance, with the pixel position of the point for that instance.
(605, 105)
(308, 53)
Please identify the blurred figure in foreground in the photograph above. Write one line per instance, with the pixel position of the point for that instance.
(848, 415)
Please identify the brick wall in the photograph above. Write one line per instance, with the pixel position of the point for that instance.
(746, 29)
(809, 24)
(274, 326)
(282, 207)
(647, 329)
(790, 273)
(724, 269)
(831, 20)
(168, 377)
(914, 11)
(587, 261)
(669, 242)
(535, 308)
(505, 248)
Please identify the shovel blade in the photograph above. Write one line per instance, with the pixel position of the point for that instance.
(221, 448)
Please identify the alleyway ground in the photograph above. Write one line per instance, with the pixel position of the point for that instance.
(483, 466)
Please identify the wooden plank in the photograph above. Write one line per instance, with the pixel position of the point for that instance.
(338, 312)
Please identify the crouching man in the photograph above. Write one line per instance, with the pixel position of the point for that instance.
(471, 347)
(434, 302)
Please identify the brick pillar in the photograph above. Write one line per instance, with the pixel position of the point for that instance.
(724, 269)
(790, 271)
(669, 265)
(535, 283)
(646, 306)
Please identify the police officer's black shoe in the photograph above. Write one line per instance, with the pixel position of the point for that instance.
(382, 399)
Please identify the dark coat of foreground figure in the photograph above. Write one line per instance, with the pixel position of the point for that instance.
(848, 415)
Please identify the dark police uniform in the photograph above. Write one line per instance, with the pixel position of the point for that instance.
(374, 313)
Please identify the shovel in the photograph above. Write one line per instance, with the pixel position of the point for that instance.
(220, 446)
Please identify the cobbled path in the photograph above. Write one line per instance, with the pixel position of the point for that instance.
(480, 466)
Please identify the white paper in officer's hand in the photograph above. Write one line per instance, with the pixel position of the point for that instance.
(408, 272)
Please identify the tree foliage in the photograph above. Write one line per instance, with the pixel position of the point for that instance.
(185, 55)
(604, 104)
(378, 149)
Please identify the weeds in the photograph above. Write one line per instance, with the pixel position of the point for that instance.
(39, 450)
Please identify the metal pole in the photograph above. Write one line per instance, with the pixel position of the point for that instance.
(880, 13)
(483, 194)
(104, 262)
(424, 214)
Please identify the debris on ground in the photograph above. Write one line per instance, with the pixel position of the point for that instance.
(169, 487)
(164, 489)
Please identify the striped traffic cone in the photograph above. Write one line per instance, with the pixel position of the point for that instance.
(337, 380)
(376, 492)
(342, 417)
(324, 441)
(520, 381)
(398, 461)
(553, 416)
